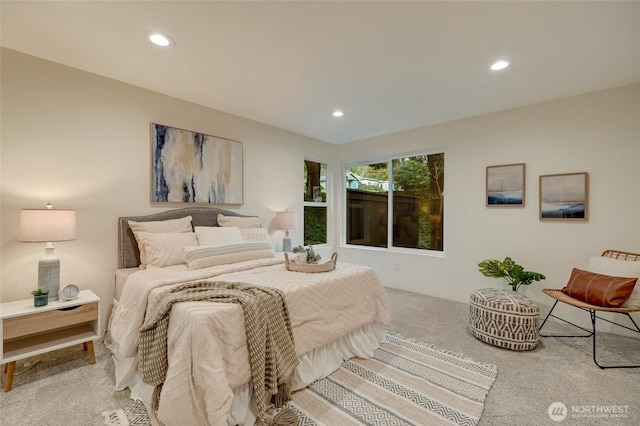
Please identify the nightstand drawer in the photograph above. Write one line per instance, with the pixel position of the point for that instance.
(50, 320)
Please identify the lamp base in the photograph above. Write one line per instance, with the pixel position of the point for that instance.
(286, 244)
(49, 276)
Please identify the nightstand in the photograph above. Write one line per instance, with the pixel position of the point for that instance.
(27, 331)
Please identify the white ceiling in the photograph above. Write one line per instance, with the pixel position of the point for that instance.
(389, 66)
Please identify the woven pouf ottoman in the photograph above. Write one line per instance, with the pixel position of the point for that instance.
(504, 318)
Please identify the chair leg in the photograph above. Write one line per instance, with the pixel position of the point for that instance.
(590, 333)
(593, 322)
(550, 314)
(547, 317)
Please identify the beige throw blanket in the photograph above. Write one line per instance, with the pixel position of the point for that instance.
(268, 328)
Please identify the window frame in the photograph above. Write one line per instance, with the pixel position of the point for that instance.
(322, 204)
(390, 247)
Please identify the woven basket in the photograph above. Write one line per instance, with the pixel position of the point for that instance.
(327, 266)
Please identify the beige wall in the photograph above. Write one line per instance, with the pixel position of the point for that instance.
(598, 133)
(82, 142)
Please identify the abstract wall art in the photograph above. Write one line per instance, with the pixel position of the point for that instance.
(564, 196)
(505, 185)
(190, 167)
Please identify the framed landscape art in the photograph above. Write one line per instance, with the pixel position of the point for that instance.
(190, 167)
(564, 196)
(505, 185)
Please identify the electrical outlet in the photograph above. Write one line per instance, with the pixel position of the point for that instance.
(397, 267)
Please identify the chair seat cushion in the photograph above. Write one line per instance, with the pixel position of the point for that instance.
(504, 318)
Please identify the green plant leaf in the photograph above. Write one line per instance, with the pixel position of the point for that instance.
(514, 273)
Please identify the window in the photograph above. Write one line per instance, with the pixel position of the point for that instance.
(315, 203)
(407, 192)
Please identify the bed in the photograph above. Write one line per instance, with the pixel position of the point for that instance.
(334, 316)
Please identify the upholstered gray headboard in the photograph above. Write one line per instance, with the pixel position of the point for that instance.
(128, 253)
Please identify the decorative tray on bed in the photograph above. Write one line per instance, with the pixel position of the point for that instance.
(326, 266)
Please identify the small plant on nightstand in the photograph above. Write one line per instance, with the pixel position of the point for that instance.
(40, 297)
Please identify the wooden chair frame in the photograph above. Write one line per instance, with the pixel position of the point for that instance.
(593, 309)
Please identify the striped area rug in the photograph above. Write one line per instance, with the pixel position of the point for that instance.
(405, 383)
(134, 414)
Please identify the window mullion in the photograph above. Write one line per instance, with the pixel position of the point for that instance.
(390, 204)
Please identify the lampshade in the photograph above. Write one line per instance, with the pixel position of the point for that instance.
(47, 226)
(286, 220)
(43, 226)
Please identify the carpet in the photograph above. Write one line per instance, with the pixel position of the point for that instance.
(405, 383)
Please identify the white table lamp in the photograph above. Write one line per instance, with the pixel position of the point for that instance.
(286, 221)
(47, 226)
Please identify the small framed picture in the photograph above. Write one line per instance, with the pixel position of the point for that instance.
(505, 185)
(564, 196)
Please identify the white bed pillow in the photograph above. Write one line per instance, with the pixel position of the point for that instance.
(618, 268)
(182, 224)
(160, 249)
(217, 235)
(204, 256)
(240, 222)
(256, 234)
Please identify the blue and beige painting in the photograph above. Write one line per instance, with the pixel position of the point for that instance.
(563, 196)
(505, 185)
(195, 168)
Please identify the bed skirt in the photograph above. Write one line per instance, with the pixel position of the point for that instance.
(314, 365)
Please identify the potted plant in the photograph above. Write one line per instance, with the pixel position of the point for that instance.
(509, 270)
(312, 256)
(40, 297)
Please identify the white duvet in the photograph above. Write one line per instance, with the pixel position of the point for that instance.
(208, 356)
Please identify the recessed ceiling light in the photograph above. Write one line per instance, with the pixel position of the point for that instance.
(338, 113)
(161, 39)
(499, 65)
